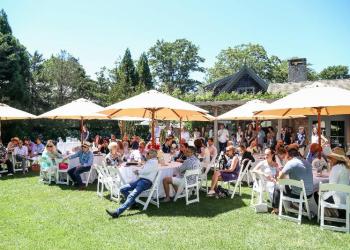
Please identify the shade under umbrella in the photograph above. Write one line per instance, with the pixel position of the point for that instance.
(9, 113)
(312, 101)
(156, 106)
(80, 109)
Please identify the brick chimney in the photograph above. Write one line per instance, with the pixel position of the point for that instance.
(297, 71)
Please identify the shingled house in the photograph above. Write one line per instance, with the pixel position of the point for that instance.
(336, 128)
(245, 80)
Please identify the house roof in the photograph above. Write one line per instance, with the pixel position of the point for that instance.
(290, 87)
(228, 83)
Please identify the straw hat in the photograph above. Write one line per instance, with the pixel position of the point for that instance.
(15, 139)
(86, 143)
(339, 155)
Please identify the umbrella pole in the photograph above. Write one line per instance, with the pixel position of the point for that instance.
(0, 128)
(81, 131)
(180, 130)
(153, 138)
(319, 132)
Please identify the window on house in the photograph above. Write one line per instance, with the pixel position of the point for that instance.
(248, 90)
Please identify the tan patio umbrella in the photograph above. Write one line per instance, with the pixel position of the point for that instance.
(156, 106)
(246, 112)
(80, 109)
(9, 113)
(312, 101)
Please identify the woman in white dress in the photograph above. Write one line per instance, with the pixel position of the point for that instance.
(269, 169)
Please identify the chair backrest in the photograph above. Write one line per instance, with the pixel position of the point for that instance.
(192, 173)
(244, 163)
(213, 160)
(294, 183)
(325, 187)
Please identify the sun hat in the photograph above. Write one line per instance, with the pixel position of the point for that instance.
(339, 154)
(15, 139)
(86, 143)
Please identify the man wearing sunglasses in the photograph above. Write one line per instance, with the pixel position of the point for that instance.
(86, 159)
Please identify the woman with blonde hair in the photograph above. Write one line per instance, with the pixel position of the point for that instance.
(50, 157)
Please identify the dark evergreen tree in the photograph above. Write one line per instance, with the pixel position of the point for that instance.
(144, 72)
(4, 24)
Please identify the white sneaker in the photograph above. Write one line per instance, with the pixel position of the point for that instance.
(211, 192)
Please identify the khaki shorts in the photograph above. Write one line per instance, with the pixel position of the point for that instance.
(177, 181)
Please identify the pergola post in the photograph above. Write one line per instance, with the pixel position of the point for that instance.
(216, 127)
(279, 129)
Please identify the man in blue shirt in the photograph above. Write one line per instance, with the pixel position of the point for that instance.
(86, 159)
(297, 169)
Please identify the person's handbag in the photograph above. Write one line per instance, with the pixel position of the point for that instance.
(63, 166)
(35, 167)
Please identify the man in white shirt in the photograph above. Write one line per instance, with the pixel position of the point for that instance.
(132, 190)
(185, 134)
(21, 154)
(212, 149)
(223, 137)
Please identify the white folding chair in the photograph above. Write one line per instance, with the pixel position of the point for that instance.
(205, 168)
(17, 165)
(186, 189)
(103, 179)
(285, 201)
(216, 162)
(46, 175)
(89, 174)
(259, 191)
(152, 194)
(246, 174)
(3, 167)
(322, 204)
(117, 181)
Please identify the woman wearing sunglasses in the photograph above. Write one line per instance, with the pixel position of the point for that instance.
(50, 157)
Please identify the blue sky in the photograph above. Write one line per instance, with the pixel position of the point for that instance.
(98, 32)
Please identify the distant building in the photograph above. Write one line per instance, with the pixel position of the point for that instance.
(244, 81)
(336, 128)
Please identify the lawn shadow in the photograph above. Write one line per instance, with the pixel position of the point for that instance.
(208, 207)
(18, 175)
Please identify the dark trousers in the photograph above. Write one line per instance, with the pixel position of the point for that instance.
(9, 166)
(222, 146)
(288, 192)
(74, 174)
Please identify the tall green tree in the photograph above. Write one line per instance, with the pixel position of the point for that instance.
(14, 67)
(5, 27)
(124, 78)
(335, 72)
(67, 79)
(173, 63)
(231, 60)
(144, 72)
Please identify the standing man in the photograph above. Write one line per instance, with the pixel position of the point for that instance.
(223, 137)
(300, 140)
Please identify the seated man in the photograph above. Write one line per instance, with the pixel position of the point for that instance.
(181, 157)
(132, 190)
(21, 155)
(298, 169)
(228, 173)
(166, 148)
(245, 154)
(4, 160)
(86, 158)
(38, 148)
(190, 163)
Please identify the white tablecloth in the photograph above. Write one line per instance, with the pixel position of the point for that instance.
(164, 171)
(97, 160)
(65, 147)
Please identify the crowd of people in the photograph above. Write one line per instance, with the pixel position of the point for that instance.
(290, 156)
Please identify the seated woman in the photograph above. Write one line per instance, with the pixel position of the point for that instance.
(202, 151)
(340, 174)
(229, 173)
(269, 169)
(104, 147)
(114, 157)
(50, 157)
(245, 154)
(97, 143)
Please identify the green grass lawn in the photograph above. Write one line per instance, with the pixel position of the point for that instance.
(38, 216)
